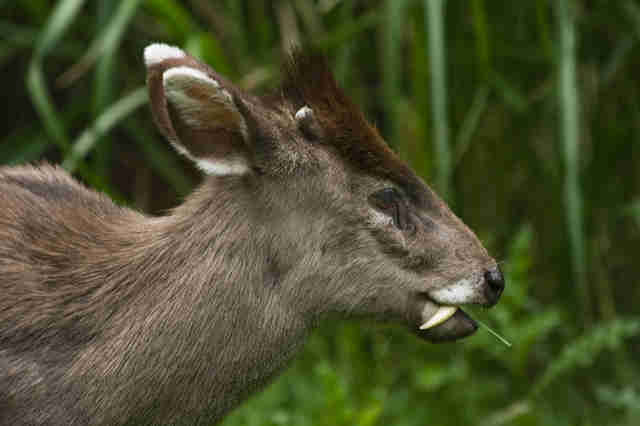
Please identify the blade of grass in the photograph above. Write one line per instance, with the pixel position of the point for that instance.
(422, 161)
(493, 333)
(470, 123)
(392, 70)
(109, 118)
(342, 60)
(288, 24)
(57, 24)
(621, 52)
(105, 43)
(583, 351)
(44, 106)
(309, 16)
(481, 32)
(434, 16)
(236, 22)
(570, 131)
(543, 28)
(104, 88)
(509, 415)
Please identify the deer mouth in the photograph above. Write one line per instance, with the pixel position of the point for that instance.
(441, 323)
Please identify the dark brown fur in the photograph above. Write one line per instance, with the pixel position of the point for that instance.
(309, 81)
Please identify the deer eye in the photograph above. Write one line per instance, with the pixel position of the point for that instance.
(390, 202)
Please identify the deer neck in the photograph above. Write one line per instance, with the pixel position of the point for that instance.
(211, 300)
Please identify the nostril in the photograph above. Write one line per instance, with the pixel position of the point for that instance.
(495, 281)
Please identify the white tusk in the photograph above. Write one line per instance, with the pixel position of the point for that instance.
(442, 314)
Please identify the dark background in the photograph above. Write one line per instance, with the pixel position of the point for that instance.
(540, 102)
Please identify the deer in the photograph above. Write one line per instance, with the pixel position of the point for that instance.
(109, 316)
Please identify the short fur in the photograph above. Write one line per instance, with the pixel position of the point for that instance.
(109, 316)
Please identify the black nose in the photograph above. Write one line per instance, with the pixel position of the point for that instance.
(495, 284)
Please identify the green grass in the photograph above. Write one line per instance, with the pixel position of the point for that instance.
(524, 115)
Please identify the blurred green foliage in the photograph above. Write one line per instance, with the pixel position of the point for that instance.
(525, 113)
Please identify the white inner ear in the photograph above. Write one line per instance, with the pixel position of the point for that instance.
(180, 77)
(176, 82)
(158, 52)
(227, 167)
(304, 112)
(222, 168)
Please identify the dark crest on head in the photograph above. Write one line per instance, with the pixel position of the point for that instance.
(309, 81)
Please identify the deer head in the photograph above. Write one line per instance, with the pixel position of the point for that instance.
(351, 227)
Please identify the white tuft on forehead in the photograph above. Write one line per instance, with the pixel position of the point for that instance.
(304, 112)
(158, 52)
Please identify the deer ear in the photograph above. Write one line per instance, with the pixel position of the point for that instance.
(196, 111)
